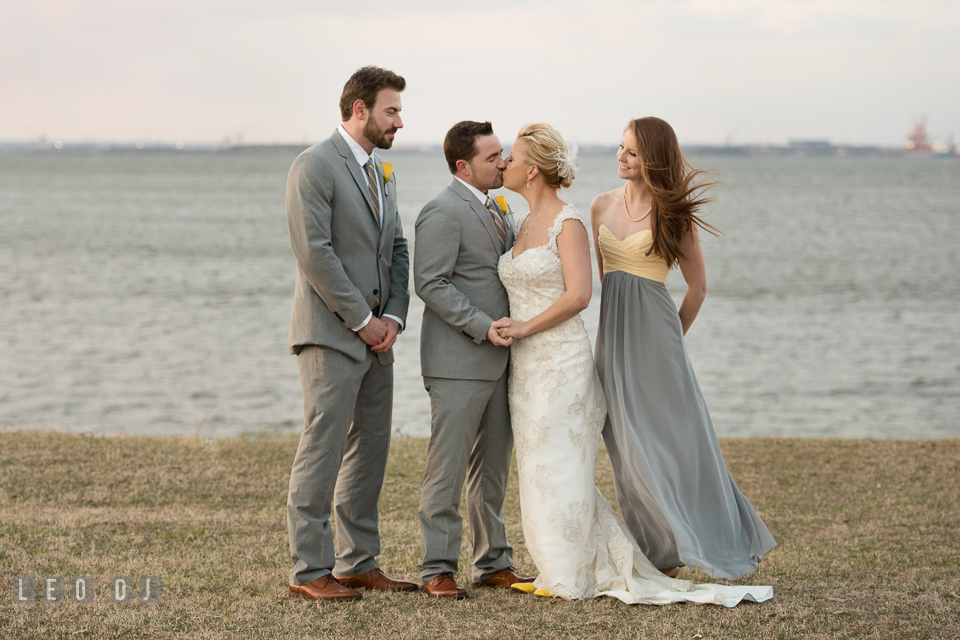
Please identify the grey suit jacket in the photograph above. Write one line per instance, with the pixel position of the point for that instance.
(345, 261)
(455, 274)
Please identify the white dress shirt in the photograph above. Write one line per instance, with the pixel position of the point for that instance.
(362, 157)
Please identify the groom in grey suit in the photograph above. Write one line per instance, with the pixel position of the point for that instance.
(460, 236)
(350, 302)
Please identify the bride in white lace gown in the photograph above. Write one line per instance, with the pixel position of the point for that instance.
(580, 546)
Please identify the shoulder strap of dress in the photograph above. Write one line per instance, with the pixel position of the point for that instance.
(569, 212)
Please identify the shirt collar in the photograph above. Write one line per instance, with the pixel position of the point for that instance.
(481, 196)
(358, 152)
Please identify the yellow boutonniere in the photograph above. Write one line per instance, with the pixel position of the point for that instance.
(387, 171)
(502, 201)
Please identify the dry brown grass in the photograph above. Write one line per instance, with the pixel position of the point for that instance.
(868, 532)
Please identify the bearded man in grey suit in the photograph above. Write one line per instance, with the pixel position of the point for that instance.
(349, 305)
(460, 236)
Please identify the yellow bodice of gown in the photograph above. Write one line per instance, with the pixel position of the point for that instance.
(629, 255)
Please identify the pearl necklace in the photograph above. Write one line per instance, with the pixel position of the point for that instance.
(627, 211)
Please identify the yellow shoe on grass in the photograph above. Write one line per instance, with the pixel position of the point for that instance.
(526, 587)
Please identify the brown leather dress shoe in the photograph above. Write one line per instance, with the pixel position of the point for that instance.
(671, 572)
(444, 586)
(326, 588)
(375, 579)
(505, 578)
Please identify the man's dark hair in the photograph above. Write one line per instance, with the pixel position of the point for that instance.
(365, 84)
(461, 141)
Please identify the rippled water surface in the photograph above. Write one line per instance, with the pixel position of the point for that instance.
(151, 294)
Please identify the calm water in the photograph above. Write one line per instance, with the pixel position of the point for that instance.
(151, 294)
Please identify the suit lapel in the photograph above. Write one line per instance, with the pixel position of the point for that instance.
(354, 168)
(479, 210)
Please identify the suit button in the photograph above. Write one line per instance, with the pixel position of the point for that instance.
(376, 292)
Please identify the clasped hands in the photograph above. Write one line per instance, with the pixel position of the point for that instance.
(503, 331)
(380, 334)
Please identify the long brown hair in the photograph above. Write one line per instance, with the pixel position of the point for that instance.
(676, 187)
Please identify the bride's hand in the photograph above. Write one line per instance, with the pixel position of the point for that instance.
(493, 333)
(511, 328)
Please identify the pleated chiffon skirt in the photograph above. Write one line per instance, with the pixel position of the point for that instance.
(674, 490)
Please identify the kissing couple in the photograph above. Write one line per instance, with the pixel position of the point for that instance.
(508, 366)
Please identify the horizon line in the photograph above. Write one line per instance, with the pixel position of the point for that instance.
(143, 144)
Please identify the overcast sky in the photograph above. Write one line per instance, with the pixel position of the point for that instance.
(851, 71)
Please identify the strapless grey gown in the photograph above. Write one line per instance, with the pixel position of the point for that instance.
(674, 490)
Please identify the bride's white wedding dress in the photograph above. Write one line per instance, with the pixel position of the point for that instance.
(579, 544)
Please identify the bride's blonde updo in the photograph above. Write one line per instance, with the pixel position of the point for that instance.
(547, 150)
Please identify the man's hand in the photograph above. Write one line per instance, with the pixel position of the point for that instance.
(494, 337)
(374, 332)
(393, 330)
(511, 329)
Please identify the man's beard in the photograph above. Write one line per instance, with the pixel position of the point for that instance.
(496, 183)
(376, 135)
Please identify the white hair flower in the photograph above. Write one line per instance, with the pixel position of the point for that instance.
(566, 157)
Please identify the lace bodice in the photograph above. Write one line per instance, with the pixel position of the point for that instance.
(534, 279)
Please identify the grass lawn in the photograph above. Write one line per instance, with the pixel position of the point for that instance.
(868, 532)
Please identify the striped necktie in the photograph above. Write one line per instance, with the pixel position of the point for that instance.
(499, 222)
(372, 184)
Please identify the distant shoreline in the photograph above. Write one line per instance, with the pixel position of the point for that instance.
(795, 149)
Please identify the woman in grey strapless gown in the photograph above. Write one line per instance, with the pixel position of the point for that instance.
(674, 490)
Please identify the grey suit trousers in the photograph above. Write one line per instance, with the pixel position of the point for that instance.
(348, 408)
(470, 439)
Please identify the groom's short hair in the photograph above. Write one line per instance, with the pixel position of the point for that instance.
(365, 84)
(461, 141)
